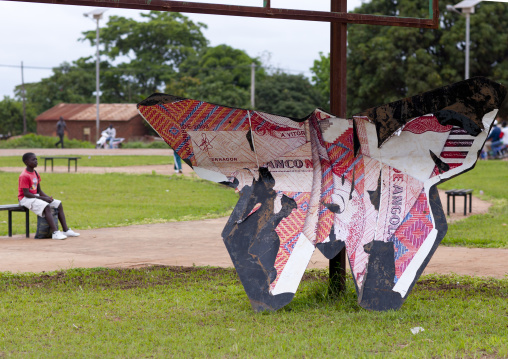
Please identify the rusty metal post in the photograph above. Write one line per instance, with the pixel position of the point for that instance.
(338, 53)
(338, 77)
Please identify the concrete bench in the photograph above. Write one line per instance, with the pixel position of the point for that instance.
(68, 158)
(17, 208)
(459, 192)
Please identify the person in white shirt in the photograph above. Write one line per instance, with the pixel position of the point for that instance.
(111, 135)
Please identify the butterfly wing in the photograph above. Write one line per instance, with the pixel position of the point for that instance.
(270, 161)
(394, 220)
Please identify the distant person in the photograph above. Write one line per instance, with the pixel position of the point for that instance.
(178, 163)
(494, 137)
(504, 130)
(60, 131)
(31, 196)
(111, 135)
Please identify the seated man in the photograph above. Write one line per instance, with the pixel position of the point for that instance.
(111, 131)
(31, 196)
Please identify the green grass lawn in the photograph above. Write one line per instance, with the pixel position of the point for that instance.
(201, 312)
(93, 161)
(114, 199)
(483, 230)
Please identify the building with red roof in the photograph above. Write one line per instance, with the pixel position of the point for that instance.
(81, 120)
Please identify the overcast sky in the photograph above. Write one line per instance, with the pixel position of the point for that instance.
(45, 35)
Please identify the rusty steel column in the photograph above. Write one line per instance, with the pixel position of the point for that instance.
(338, 77)
(338, 52)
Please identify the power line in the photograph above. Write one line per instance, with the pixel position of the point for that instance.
(28, 67)
(134, 70)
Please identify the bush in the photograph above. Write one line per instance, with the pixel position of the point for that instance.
(135, 144)
(157, 144)
(138, 144)
(36, 141)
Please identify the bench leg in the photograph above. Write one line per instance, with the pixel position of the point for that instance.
(10, 223)
(465, 205)
(454, 204)
(447, 204)
(75, 165)
(69, 166)
(470, 202)
(27, 222)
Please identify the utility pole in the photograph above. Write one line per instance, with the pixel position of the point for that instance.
(252, 84)
(97, 83)
(24, 102)
(97, 15)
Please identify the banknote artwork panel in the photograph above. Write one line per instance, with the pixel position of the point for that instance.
(367, 183)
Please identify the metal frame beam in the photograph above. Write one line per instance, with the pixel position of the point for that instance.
(253, 11)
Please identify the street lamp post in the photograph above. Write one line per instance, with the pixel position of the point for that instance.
(466, 9)
(97, 15)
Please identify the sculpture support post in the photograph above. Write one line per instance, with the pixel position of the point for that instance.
(338, 53)
(338, 75)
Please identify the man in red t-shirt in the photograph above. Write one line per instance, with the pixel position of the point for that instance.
(30, 195)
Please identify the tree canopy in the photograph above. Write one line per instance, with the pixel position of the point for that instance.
(219, 74)
(288, 95)
(11, 117)
(74, 83)
(389, 63)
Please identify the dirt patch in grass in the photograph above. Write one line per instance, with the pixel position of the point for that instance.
(124, 278)
(132, 278)
(491, 286)
(138, 277)
(315, 275)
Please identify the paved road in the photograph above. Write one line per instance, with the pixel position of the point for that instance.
(187, 244)
(88, 152)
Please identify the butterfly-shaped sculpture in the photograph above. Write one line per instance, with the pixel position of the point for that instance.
(366, 183)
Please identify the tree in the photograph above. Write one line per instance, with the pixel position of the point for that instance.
(153, 50)
(69, 83)
(219, 74)
(11, 117)
(321, 77)
(389, 63)
(288, 95)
